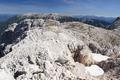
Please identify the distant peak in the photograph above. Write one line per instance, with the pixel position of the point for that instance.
(118, 18)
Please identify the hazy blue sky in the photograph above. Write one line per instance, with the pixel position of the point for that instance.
(71, 7)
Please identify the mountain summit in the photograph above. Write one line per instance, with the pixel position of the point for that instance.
(43, 48)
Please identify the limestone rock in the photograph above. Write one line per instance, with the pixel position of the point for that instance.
(45, 49)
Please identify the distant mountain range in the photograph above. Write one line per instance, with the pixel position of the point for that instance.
(103, 22)
(107, 19)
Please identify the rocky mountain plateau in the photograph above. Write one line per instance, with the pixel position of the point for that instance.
(55, 47)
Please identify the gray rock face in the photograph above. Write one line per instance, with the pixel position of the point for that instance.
(116, 23)
(111, 68)
(40, 49)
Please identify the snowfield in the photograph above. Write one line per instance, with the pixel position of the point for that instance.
(94, 70)
(99, 57)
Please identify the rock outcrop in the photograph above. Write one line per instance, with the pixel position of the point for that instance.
(116, 23)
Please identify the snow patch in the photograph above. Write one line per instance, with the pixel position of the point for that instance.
(94, 70)
(99, 57)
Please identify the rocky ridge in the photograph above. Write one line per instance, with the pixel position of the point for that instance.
(45, 49)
